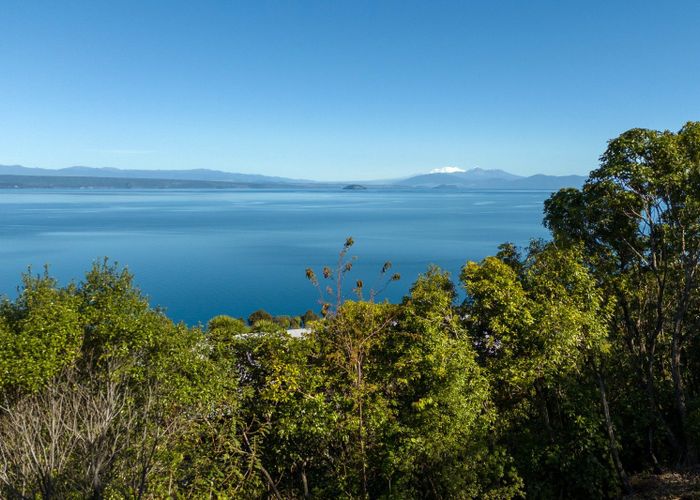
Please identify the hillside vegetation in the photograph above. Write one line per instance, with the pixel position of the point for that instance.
(572, 365)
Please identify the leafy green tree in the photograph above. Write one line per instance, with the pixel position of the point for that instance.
(347, 341)
(540, 326)
(287, 421)
(259, 315)
(107, 391)
(638, 217)
(308, 317)
(283, 321)
(226, 324)
(164, 369)
(442, 398)
(40, 333)
(414, 418)
(267, 326)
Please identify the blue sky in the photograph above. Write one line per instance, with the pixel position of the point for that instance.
(340, 90)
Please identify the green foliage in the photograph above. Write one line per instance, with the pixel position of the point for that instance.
(638, 220)
(444, 445)
(222, 330)
(267, 326)
(226, 324)
(283, 321)
(40, 333)
(308, 317)
(540, 325)
(99, 389)
(259, 315)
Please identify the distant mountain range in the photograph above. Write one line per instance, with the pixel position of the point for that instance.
(89, 177)
(478, 178)
(200, 174)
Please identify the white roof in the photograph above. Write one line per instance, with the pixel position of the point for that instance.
(298, 332)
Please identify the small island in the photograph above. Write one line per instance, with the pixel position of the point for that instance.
(355, 187)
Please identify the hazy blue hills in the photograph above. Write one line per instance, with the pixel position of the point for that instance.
(15, 176)
(478, 178)
(200, 174)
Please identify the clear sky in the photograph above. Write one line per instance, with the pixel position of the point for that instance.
(340, 90)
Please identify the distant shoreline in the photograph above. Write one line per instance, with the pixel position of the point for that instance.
(17, 177)
(81, 182)
(21, 182)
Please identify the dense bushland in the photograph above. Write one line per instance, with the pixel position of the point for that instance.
(571, 364)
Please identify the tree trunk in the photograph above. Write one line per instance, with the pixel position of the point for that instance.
(657, 419)
(644, 352)
(544, 411)
(304, 481)
(689, 454)
(621, 474)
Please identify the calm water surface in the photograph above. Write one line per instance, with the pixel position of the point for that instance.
(203, 253)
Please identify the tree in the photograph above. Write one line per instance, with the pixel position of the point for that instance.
(446, 421)
(638, 217)
(108, 390)
(283, 321)
(308, 317)
(286, 420)
(414, 417)
(540, 327)
(259, 315)
(37, 439)
(227, 324)
(347, 341)
(40, 333)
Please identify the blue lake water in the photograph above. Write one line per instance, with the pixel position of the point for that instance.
(203, 253)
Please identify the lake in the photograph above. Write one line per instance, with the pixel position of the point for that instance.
(202, 253)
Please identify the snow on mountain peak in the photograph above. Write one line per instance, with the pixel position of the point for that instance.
(447, 170)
